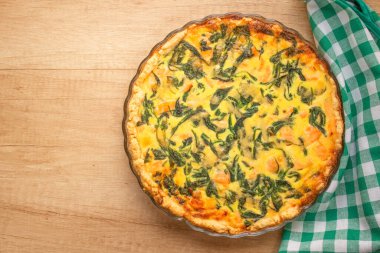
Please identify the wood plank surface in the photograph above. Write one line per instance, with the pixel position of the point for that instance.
(65, 182)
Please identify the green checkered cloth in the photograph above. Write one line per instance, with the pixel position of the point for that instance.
(346, 218)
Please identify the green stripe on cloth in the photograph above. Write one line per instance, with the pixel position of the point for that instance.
(346, 218)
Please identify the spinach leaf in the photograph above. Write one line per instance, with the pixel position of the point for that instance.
(201, 177)
(251, 215)
(294, 195)
(264, 206)
(148, 111)
(215, 37)
(236, 174)
(208, 123)
(178, 55)
(192, 49)
(204, 46)
(211, 190)
(188, 115)
(219, 115)
(196, 138)
(230, 197)
(317, 119)
(218, 97)
(220, 56)
(277, 125)
(282, 174)
(269, 97)
(176, 157)
(303, 145)
(170, 185)
(186, 142)
(289, 162)
(277, 201)
(247, 223)
(162, 121)
(196, 156)
(191, 71)
(216, 55)
(240, 122)
(147, 157)
(201, 86)
(285, 72)
(261, 51)
(246, 75)
(159, 154)
(180, 109)
(247, 53)
(218, 35)
(251, 110)
(185, 95)
(245, 100)
(241, 102)
(242, 30)
(256, 140)
(228, 143)
(186, 189)
(158, 82)
(308, 95)
(209, 143)
(175, 82)
(266, 192)
(228, 74)
(295, 175)
(283, 186)
(223, 30)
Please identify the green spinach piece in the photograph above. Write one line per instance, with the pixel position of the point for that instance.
(169, 184)
(218, 97)
(236, 174)
(209, 143)
(180, 109)
(190, 113)
(191, 71)
(175, 157)
(230, 197)
(175, 82)
(251, 215)
(211, 190)
(201, 177)
(277, 125)
(317, 119)
(147, 157)
(148, 111)
(204, 46)
(159, 154)
(186, 142)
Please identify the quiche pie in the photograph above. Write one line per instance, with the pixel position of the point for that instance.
(234, 123)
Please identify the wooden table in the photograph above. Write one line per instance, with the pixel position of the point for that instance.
(65, 182)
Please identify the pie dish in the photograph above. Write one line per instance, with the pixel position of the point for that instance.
(234, 124)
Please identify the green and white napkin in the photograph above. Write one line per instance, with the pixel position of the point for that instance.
(346, 218)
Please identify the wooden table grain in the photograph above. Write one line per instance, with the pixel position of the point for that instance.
(65, 182)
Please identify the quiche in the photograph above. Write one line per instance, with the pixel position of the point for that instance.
(234, 123)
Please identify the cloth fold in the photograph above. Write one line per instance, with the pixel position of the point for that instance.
(346, 218)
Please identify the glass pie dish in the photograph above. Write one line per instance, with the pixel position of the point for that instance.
(268, 191)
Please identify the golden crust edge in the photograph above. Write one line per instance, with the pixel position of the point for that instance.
(160, 197)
